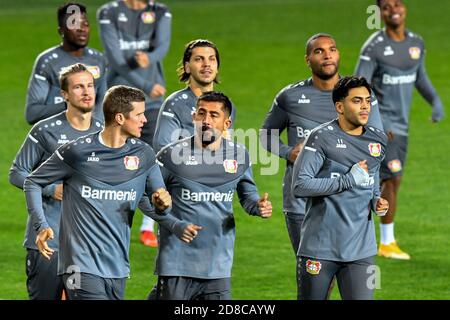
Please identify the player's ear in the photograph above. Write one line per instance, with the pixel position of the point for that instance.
(65, 95)
(120, 118)
(186, 68)
(227, 123)
(339, 105)
(307, 60)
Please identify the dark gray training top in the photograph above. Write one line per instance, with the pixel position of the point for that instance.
(394, 68)
(338, 224)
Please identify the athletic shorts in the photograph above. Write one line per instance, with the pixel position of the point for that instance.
(394, 160)
(86, 286)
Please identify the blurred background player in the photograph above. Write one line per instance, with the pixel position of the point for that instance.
(202, 173)
(393, 61)
(44, 94)
(105, 175)
(299, 108)
(77, 88)
(199, 68)
(136, 38)
(338, 172)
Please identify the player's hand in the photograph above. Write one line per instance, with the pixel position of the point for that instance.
(296, 151)
(382, 207)
(360, 172)
(390, 135)
(157, 91)
(363, 165)
(190, 233)
(265, 206)
(161, 199)
(58, 195)
(41, 242)
(142, 59)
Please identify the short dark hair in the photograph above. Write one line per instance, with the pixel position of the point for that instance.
(118, 99)
(216, 96)
(62, 11)
(183, 76)
(308, 47)
(343, 86)
(68, 71)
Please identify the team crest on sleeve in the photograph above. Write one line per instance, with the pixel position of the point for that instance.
(131, 162)
(313, 267)
(148, 17)
(395, 165)
(230, 166)
(95, 71)
(375, 149)
(414, 53)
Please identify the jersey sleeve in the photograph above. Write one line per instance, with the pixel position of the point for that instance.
(274, 124)
(248, 193)
(101, 88)
(39, 88)
(161, 42)
(52, 170)
(304, 179)
(366, 64)
(27, 159)
(167, 126)
(374, 116)
(110, 40)
(428, 92)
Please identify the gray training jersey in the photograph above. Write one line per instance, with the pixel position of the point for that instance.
(44, 94)
(202, 184)
(175, 118)
(102, 188)
(299, 108)
(124, 31)
(43, 139)
(338, 224)
(393, 69)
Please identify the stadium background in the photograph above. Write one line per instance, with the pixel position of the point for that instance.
(261, 43)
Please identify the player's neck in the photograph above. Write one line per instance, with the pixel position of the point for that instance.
(77, 52)
(349, 128)
(396, 33)
(212, 146)
(325, 85)
(198, 89)
(79, 120)
(135, 4)
(112, 137)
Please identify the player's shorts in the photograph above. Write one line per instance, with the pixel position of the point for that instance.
(186, 288)
(43, 283)
(395, 157)
(294, 224)
(355, 278)
(86, 286)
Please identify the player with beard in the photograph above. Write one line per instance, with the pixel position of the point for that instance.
(44, 93)
(199, 68)
(77, 88)
(202, 172)
(298, 108)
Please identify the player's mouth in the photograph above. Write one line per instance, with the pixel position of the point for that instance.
(87, 100)
(206, 72)
(364, 114)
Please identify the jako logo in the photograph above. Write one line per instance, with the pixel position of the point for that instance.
(206, 196)
(99, 194)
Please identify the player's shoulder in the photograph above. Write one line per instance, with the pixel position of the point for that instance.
(322, 133)
(165, 154)
(137, 146)
(377, 134)
(108, 7)
(179, 99)
(46, 126)
(47, 57)
(299, 85)
(375, 40)
(415, 38)
(94, 53)
(75, 150)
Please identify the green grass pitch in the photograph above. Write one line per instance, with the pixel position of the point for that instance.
(261, 44)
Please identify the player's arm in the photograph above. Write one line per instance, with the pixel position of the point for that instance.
(249, 197)
(52, 170)
(275, 122)
(367, 63)
(168, 127)
(110, 40)
(39, 89)
(428, 92)
(161, 41)
(27, 159)
(100, 89)
(374, 116)
(304, 179)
